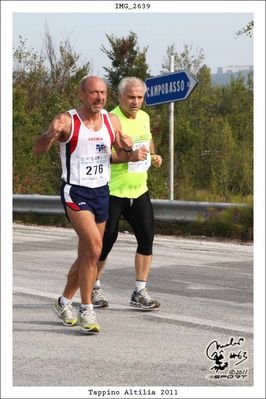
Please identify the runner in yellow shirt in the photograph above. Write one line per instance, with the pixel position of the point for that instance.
(129, 194)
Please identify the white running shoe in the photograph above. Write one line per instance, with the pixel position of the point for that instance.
(142, 300)
(87, 321)
(98, 298)
(65, 312)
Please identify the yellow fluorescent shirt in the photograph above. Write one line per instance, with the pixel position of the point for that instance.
(129, 180)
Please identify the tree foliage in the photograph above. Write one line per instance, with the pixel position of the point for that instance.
(247, 30)
(188, 59)
(213, 128)
(43, 85)
(126, 58)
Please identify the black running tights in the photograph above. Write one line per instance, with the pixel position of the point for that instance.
(139, 214)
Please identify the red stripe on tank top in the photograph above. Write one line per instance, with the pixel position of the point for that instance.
(110, 130)
(74, 138)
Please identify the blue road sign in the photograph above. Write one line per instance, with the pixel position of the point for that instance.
(175, 86)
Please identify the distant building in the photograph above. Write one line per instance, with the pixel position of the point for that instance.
(225, 74)
(234, 68)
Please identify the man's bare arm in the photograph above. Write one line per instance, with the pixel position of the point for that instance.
(59, 129)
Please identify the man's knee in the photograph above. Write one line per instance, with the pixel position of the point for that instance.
(96, 252)
(92, 249)
(144, 250)
(96, 249)
(145, 244)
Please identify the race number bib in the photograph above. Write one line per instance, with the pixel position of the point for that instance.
(94, 170)
(140, 166)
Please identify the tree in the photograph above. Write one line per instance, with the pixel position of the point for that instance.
(127, 59)
(184, 132)
(63, 67)
(236, 104)
(186, 60)
(43, 85)
(247, 30)
(213, 127)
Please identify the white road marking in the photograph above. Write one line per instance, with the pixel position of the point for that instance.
(155, 313)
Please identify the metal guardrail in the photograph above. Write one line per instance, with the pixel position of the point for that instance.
(164, 210)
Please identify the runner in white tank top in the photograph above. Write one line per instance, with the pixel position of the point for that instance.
(86, 136)
(85, 156)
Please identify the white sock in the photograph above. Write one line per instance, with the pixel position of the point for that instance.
(86, 306)
(140, 285)
(63, 300)
(97, 283)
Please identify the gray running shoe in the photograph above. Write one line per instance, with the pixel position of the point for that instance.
(98, 298)
(87, 321)
(142, 300)
(65, 312)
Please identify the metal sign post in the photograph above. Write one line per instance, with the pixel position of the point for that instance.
(168, 88)
(171, 140)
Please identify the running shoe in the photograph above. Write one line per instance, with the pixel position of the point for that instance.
(98, 298)
(65, 312)
(87, 321)
(142, 300)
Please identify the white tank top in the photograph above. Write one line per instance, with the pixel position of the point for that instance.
(85, 157)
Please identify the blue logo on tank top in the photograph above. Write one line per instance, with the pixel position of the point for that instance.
(100, 147)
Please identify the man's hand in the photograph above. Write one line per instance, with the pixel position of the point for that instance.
(60, 127)
(156, 160)
(124, 141)
(139, 155)
(56, 128)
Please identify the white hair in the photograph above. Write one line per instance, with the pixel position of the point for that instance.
(130, 81)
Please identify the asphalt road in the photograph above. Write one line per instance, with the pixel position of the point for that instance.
(202, 335)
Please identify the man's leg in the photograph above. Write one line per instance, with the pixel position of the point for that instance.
(140, 217)
(83, 272)
(98, 297)
(72, 284)
(100, 268)
(116, 206)
(142, 266)
(63, 306)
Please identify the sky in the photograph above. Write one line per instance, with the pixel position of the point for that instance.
(213, 32)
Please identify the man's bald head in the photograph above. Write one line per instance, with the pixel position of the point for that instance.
(88, 81)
